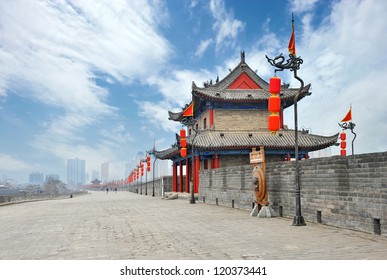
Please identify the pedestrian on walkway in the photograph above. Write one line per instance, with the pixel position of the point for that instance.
(107, 190)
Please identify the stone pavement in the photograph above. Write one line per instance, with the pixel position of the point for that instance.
(124, 225)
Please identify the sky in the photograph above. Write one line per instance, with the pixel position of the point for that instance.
(94, 79)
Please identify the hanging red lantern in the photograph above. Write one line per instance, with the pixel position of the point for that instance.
(274, 104)
(343, 144)
(183, 142)
(275, 85)
(274, 122)
(183, 152)
(148, 163)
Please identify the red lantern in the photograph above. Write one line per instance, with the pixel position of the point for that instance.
(343, 136)
(148, 163)
(274, 122)
(274, 104)
(182, 133)
(183, 152)
(183, 142)
(275, 85)
(343, 145)
(343, 153)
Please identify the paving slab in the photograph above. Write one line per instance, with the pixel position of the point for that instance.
(123, 225)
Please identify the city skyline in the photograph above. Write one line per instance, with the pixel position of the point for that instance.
(95, 80)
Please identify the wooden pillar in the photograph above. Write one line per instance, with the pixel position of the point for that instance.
(181, 177)
(187, 175)
(281, 113)
(216, 161)
(174, 177)
(211, 117)
(196, 178)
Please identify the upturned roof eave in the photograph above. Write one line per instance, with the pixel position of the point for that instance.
(308, 142)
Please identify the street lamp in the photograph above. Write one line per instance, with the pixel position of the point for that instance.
(146, 175)
(293, 64)
(138, 175)
(152, 152)
(350, 125)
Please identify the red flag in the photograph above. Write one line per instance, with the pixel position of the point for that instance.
(348, 116)
(292, 42)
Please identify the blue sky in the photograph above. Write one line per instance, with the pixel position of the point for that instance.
(94, 79)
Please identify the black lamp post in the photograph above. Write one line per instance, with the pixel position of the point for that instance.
(146, 177)
(192, 200)
(293, 64)
(152, 152)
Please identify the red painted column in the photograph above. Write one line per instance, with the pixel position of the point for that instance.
(187, 176)
(211, 117)
(216, 161)
(281, 113)
(197, 168)
(174, 177)
(181, 176)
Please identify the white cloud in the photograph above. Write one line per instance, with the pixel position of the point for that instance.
(203, 46)
(225, 26)
(301, 6)
(10, 163)
(157, 114)
(175, 87)
(55, 52)
(344, 61)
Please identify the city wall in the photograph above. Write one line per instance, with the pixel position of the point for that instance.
(19, 198)
(163, 184)
(348, 192)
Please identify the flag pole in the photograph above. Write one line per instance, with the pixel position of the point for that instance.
(347, 123)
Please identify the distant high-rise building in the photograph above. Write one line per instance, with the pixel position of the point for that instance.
(105, 172)
(52, 177)
(36, 178)
(76, 171)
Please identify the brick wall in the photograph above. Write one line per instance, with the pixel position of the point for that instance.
(240, 119)
(165, 181)
(349, 192)
(10, 199)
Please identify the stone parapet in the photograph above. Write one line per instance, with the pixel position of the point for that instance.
(348, 192)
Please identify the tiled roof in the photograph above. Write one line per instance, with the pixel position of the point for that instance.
(220, 91)
(174, 116)
(283, 139)
(234, 140)
(166, 154)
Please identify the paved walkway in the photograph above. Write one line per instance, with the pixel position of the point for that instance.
(128, 226)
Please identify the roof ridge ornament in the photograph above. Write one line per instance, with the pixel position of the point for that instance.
(243, 57)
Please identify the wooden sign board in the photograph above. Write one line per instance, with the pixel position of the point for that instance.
(257, 157)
